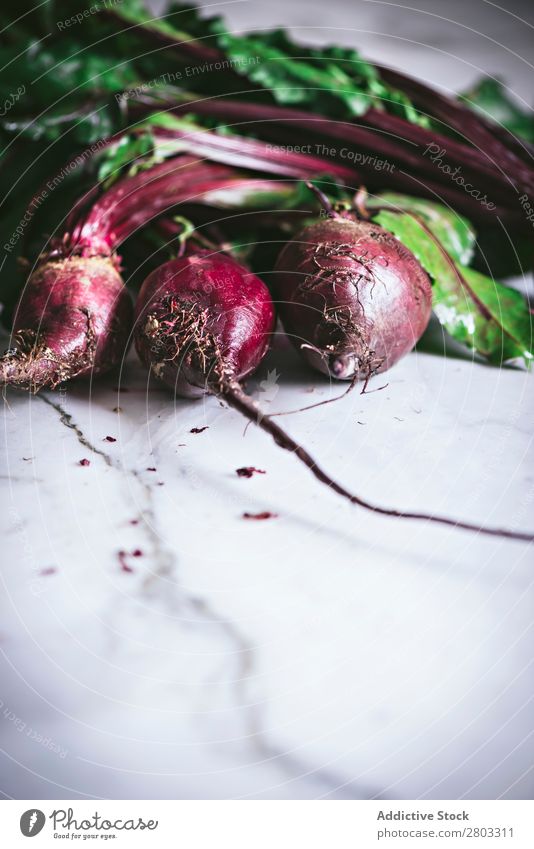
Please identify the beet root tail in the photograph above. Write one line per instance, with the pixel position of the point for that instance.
(234, 395)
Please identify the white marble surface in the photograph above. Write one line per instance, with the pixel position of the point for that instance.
(323, 653)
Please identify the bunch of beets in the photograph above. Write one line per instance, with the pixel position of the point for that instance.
(351, 297)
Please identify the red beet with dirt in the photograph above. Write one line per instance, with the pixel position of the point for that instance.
(203, 321)
(351, 297)
(73, 320)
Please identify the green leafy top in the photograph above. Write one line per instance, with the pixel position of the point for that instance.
(336, 81)
(70, 74)
(477, 311)
(454, 232)
(490, 97)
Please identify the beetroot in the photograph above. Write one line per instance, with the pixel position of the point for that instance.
(352, 298)
(73, 320)
(203, 323)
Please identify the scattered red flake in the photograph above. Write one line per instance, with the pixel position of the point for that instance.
(109, 439)
(260, 516)
(137, 552)
(151, 469)
(134, 521)
(85, 462)
(48, 570)
(199, 429)
(122, 560)
(248, 471)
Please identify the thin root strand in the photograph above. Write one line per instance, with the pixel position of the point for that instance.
(239, 400)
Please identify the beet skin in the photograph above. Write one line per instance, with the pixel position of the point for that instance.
(202, 321)
(73, 320)
(351, 297)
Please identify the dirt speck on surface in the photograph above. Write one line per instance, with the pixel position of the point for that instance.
(249, 471)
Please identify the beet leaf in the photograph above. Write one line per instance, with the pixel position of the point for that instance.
(454, 232)
(490, 97)
(480, 313)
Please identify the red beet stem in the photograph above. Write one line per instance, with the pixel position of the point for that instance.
(133, 202)
(239, 400)
(251, 153)
(381, 134)
(385, 135)
(455, 116)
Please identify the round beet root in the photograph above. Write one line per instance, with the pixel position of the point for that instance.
(72, 320)
(352, 298)
(202, 321)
